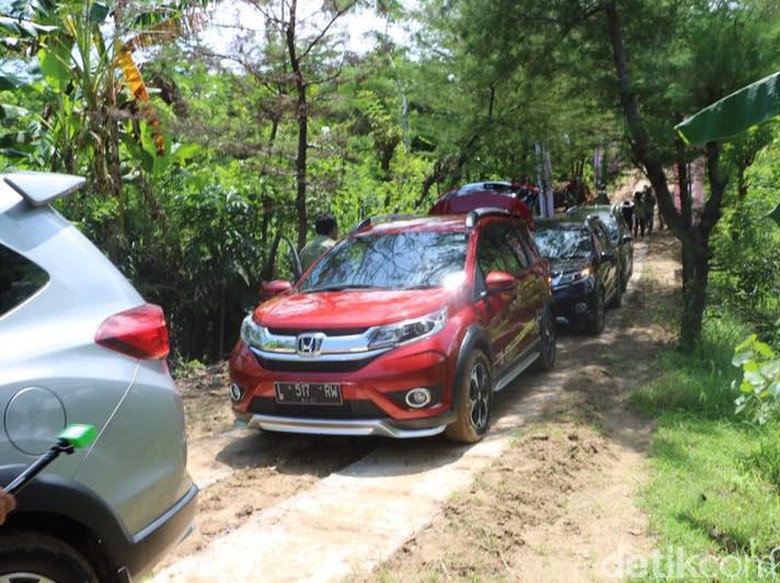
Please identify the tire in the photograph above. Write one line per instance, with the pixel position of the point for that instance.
(617, 299)
(624, 277)
(548, 336)
(594, 324)
(31, 557)
(475, 399)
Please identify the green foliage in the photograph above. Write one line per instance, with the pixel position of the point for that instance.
(760, 381)
(746, 244)
(764, 458)
(706, 500)
(697, 382)
(714, 489)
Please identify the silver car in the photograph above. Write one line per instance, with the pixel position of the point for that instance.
(78, 344)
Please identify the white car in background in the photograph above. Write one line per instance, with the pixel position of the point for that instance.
(78, 344)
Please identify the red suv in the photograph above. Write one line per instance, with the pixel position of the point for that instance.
(405, 328)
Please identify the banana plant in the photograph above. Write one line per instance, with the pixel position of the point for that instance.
(98, 117)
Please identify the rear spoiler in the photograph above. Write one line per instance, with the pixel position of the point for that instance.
(40, 188)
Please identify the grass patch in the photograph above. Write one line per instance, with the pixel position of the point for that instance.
(698, 382)
(714, 495)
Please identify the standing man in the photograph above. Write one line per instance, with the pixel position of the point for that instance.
(649, 200)
(327, 232)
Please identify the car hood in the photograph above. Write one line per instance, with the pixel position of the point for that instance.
(560, 266)
(348, 309)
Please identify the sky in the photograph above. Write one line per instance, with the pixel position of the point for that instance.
(358, 24)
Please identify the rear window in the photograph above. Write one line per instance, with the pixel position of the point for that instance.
(19, 279)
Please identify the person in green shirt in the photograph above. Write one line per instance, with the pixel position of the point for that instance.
(327, 232)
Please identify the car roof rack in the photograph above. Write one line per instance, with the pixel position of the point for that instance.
(473, 216)
(40, 188)
(378, 220)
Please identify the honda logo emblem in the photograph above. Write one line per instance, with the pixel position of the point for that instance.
(309, 345)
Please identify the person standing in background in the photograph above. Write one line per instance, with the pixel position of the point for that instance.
(649, 203)
(639, 214)
(326, 229)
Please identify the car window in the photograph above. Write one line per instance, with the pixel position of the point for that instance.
(613, 228)
(603, 239)
(517, 245)
(19, 279)
(494, 254)
(391, 261)
(528, 245)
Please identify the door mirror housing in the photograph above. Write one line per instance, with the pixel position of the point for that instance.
(271, 289)
(499, 282)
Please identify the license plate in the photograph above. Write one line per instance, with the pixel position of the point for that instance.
(308, 393)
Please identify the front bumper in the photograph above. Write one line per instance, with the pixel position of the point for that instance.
(373, 396)
(574, 301)
(348, 427)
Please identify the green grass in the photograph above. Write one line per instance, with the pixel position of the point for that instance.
(714, 493)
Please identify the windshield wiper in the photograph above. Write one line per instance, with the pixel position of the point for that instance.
(341, 287)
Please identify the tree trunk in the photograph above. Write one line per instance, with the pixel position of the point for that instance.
(696, 268)
(303, 127)
(693, 232)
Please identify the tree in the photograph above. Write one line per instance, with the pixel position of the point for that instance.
(297, 54)
(654, 62)
(91, 119)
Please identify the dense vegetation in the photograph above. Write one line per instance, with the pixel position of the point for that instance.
(199, 155)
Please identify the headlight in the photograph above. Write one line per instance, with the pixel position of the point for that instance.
(408, 330)
(572, 277)
(251, 333)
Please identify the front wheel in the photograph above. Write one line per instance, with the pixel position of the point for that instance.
(548, 339)
(596, 319)
(617, 300)
(31, 557)
(474, 400)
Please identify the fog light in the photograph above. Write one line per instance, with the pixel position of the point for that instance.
(418, 398)
(236, 392)
(581, 307)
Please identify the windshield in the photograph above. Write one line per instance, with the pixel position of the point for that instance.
(564, 243)
(391, 261)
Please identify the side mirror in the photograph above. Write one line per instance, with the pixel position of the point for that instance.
(273, 288)
(627, 238)
(499, 282)
(607, 256)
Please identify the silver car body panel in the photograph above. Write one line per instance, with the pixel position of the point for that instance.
(47, 347)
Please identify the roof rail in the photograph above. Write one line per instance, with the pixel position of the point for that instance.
(40, 188)
(473, 216)
(377, 220)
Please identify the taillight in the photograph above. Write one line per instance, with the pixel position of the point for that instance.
(139, 332)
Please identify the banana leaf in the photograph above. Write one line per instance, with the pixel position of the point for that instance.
(735, 113)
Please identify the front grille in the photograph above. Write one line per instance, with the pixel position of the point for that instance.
(357, 409)
(318, 365)
(326, 331)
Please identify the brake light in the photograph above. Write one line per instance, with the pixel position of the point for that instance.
(139, 332)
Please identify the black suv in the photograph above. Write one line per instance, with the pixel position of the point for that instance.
(585, 269)
(619, 234)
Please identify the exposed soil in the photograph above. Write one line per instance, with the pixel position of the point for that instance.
(558, 505)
